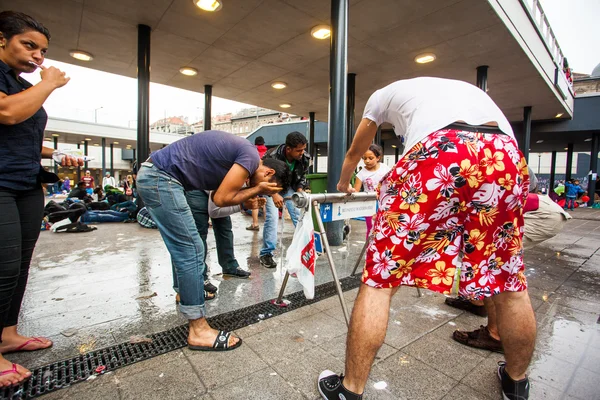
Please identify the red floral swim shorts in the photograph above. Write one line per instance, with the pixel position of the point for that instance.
(450, 217)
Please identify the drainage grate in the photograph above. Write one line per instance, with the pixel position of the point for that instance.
(62, 374)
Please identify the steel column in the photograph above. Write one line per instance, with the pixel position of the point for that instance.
(378, 136)
(569, 161)
(593, 167)
(85, 152)
(311, 141)
(112, 150)
(351, 82)
(338, 69)
(207, 107)
(78, 167)
(55, 140)
(526, 134)
(143, 75)
(552, 172)
(482, 77)
(103, 157)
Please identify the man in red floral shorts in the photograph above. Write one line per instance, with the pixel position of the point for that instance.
(459, 187)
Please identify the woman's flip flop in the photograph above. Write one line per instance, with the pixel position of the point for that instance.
(32, 340)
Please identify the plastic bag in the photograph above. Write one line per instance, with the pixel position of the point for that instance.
(301, 257)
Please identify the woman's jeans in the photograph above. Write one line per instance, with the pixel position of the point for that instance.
(164, 198)
(104, 216)
(270, 226)
(21, 213)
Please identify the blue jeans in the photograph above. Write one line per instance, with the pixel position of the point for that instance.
(570, 203)
(165, 200)
(129, 205)
(270, 227)
(104, 216)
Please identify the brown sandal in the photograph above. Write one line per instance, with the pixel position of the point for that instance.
(479, 338)
(463, 304)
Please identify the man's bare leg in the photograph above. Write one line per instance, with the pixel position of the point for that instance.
(368, 326)
(492, 324)
(517, 328)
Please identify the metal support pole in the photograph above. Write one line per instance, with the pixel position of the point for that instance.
(327, 249)
(360, 257)
(397, 154)
(350, 108)
(112, 151)
(338, 69)
(526, 138)
(78, 168)
(143, 114)
(552, 172)
(378, 136)
(85, 152)
(55, 148)
(312, 150)
(569, 161)
(482, 77)
(207, 107)
(103, 157)
(593, 167)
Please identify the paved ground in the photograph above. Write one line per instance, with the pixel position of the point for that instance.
(89, 283)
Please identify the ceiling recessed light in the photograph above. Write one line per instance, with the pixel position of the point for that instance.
(318, 154)
(425, 58)
(87, 139)
(188, 71)
(115, 142)
(81, 55)
(558, 115)
(394, 146)
(321, 32)
(55, 135)
(588, 140)
(96, 144)
(285, 105)
(539, 141)
(209, 5)
(278, 85)
(48, 139)
(566, 148)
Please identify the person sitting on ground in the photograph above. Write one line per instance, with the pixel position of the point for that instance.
(294, 154)
(259, 142)
(211, 160)
(66, 186)
(79, 192)
(461, 185)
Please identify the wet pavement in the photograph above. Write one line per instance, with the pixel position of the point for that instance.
(91, 290)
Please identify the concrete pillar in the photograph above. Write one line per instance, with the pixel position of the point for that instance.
(55, 140)
(552, 172)
(526, 136)
(143, 75)
(103, 158)
(350, 108)
(338, 69)
(85, 152)
(207, 107)
(595, 148)
(78, 167)
(569, 161)
(311, 141)
(378, 136)
(112, 154)
(482, 77)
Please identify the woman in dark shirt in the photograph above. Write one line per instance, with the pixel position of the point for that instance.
(23, 45)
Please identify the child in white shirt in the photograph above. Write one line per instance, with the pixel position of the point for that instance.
(370, 176)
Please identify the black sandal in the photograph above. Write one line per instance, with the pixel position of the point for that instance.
(221, 343)
(208, 296)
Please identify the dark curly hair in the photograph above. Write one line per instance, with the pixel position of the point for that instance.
(14, 23)
(295, 139)
(282, 172)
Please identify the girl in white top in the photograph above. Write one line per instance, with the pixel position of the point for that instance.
(370, 176)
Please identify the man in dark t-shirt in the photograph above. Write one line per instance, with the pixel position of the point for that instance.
(213, 160)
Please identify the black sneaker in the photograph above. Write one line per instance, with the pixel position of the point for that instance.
(267, 261)
(209, 287)
(332, 388)
(512, 390)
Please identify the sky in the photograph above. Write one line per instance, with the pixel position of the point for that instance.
(112, 98)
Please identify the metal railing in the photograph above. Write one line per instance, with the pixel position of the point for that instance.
(538, 17)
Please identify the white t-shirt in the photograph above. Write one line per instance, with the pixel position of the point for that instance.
(370, 179)
(420, 106)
